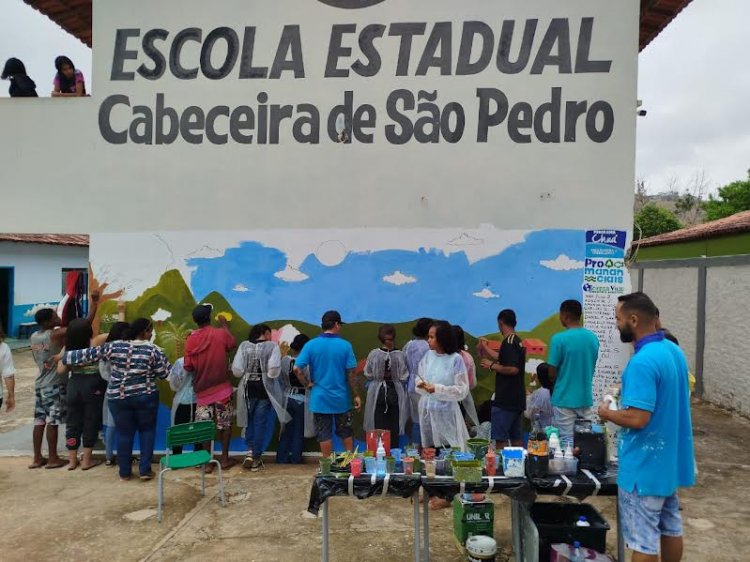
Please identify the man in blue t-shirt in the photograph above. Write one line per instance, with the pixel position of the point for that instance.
(331, 362)
(572, 359)
(656, 445)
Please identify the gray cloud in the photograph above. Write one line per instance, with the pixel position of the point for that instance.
(694, 82)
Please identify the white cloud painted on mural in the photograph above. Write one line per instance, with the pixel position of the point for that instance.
(240, 288)
(291, 275)
(176, 248)
(562, 263)
(161, 315)
(398, 278)
(486, 293)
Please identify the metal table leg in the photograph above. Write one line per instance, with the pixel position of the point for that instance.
(515, 522)
(426, 557)
(620, 537)
(417, 541)
(324, 553)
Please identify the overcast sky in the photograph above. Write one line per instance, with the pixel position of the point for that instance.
(694, 83)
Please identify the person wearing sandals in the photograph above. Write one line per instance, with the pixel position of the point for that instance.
(85, 395)
(132, 393)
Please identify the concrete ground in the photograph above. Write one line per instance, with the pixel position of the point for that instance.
(60, 515)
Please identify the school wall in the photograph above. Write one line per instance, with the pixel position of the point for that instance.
(37, 275)
(704, 302)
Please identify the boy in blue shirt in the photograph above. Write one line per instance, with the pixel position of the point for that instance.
(572, 359)
(656, 445)
(331, 362)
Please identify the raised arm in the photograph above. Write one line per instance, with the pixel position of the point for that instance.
(86, 356)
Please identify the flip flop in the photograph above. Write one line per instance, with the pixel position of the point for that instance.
(60, 464)
(92, 465)
(34, 465)
(74, 466)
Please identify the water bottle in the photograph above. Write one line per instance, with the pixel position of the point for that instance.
(380, 463)
(576, 555)
(583, 522)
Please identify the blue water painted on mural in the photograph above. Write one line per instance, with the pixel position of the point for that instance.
(444, 285)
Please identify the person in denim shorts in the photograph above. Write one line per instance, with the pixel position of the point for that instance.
(331, 385)
(656, 443)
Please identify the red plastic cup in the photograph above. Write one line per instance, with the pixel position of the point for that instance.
(356, 466)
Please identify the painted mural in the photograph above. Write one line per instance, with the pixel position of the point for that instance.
(288, 278)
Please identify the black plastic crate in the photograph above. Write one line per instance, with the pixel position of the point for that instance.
(556, 523)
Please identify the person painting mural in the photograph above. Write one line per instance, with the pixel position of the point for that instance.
(414, 351)
(332, 387)
(258, 365)
(509, 365)
(387, 405)
(301, 424)
(206, 352)
(572, 360)
(656, 455)
(50, 406)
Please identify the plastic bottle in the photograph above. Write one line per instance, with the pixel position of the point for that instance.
(576, 554)
(583, 522)
(557, 464)
(380, 463)
(554, 444)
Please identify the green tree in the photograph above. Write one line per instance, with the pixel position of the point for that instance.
(732, 198)
(653, 220)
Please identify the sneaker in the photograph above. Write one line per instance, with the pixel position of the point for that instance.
(248, 462)
(256, 466)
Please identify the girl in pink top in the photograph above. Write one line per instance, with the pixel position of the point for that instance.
(69, 82)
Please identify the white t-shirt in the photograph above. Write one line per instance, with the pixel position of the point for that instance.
(6, 365)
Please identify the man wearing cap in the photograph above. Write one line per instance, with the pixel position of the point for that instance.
(331, 364)
(206, 356)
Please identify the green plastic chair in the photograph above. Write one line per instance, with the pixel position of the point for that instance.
(185, 434)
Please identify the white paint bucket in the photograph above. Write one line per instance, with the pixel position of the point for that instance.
(481, 549)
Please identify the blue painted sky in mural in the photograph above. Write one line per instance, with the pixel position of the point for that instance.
(444, 286)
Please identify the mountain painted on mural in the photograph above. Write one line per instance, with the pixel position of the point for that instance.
(532, 277)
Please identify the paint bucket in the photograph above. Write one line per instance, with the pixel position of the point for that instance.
(481, 549)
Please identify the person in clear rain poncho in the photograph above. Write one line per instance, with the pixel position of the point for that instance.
(468, 408)
(258, 363)
(414, 351)
(301, 424)
(387, 403)
(443, 383)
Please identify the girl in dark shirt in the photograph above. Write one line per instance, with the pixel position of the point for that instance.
(21, 85)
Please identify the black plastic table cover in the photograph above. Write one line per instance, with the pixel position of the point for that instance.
(580, 486)
(324, 487)
(445, 487)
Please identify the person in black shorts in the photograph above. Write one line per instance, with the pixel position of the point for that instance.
(508, 364)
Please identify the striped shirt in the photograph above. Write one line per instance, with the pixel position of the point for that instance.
(135, 366)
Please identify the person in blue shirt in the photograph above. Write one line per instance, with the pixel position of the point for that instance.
(572, 359)
(331, 385)
(656, 444)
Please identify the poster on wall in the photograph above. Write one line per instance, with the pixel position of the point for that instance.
(605, 278)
